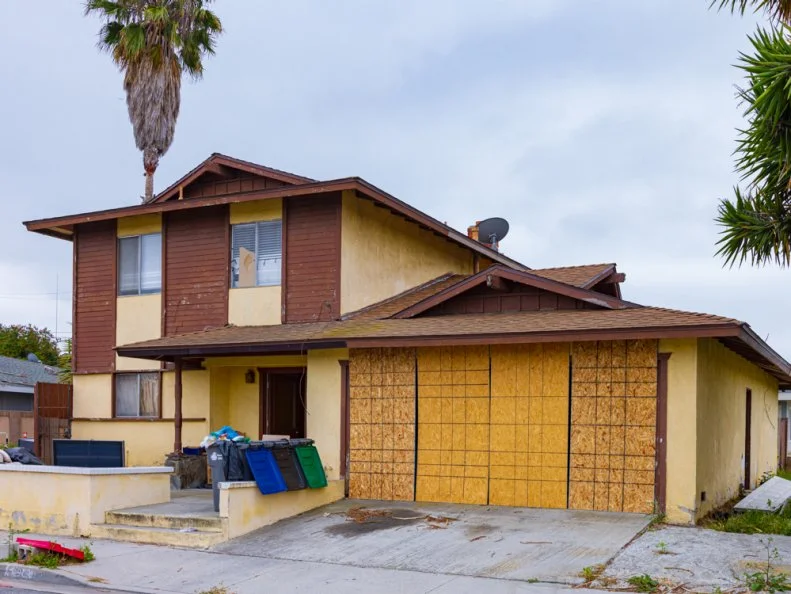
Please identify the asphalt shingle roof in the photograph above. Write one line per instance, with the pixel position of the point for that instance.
(20, 372)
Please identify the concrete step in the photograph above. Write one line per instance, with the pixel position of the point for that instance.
(139, 519)
(198, 539)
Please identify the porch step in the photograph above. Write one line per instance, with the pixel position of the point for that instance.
(141, 519)
(198, 539)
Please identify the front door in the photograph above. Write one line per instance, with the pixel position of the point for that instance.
(283, 402)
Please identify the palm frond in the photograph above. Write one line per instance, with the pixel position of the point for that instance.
(756, 229)
(779, 10)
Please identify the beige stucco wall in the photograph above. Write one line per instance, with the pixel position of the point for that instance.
(245, 510)
(92, 396)
(254, 306)
(259, 210)
(140, 225)
(681, 487)
(382, 254)
(138, 318)
(723, 380)
(324, 406)
(55, 502)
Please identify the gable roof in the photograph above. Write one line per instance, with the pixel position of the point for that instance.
(585, 276)
(216, 161)
(393, 305)
(63, 227)
(500, 328)
(521, 277)
(23, 375)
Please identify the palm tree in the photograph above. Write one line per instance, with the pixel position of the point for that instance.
(756, 223)
(154, 42)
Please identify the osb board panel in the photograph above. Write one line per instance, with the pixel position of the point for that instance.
(528, 463)
(382, 424)
(453, 425)
(613, 425)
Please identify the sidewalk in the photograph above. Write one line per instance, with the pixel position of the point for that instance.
(161, 570)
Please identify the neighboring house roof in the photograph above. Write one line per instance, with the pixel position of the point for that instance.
(20, 375)
(538, 326)
(63, 227)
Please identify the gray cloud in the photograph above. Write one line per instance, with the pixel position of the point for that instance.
(603, 131)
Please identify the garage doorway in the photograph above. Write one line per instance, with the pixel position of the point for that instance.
(283, 398)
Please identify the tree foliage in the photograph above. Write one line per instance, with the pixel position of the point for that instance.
(756, 222)
(64, 363)
(19, 341)
(153, 42)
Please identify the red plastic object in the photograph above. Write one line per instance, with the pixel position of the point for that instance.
(54, 547)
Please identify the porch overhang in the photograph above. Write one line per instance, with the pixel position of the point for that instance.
(516, 328)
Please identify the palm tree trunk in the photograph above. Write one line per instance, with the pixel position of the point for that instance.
(150, 162)
(149, 187)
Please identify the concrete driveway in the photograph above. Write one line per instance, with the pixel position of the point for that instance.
(480, 541)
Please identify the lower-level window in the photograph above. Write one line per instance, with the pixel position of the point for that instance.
(137, 395)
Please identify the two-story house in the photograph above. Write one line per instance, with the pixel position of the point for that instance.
(425, 364)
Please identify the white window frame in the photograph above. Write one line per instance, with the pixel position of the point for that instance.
(138, 376)
(140, 290)
(234, 260)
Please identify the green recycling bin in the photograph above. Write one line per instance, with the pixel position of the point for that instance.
(309, 460)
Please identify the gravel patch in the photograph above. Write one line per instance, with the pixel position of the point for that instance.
(696, 558)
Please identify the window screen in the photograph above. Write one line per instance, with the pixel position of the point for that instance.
(256, 254)
(140, 264)
(137, 395)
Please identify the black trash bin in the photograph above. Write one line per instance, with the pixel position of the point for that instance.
(217, 454)
(289, 465)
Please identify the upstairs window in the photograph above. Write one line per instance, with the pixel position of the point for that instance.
(137, 395)
(256, 254)
(140, 264)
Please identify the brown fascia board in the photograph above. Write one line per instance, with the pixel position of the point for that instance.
(522, 277)
(231, 349)
(309, 189)
(599, 277)
(220, 159)
(751, 339)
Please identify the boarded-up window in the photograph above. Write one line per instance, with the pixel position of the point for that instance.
(257, 254)
(137, 395)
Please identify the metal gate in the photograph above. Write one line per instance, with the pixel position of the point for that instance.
(52, 411)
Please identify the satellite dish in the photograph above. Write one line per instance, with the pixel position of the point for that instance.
(492, 231)
(32, 358)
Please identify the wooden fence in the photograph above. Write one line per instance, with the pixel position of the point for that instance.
(53, 410)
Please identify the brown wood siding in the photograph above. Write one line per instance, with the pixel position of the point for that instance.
(197, 257)
(312, 258)
(484, 300)
(241, 182)
(94, 297)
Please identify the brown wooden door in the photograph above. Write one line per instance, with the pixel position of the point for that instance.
(283, 402)
(748, 436)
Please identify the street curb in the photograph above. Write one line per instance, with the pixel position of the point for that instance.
(24, 573)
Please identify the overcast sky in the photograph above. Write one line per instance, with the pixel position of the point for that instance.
(602, 131)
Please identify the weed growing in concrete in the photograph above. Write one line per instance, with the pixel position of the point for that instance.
(643, 583)
(220, 589)
(768, 580)
(12, 555)
(591, 573)
(532, 581)
(88, 553)
(657, 520)
(661, 548)
(44, 559)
